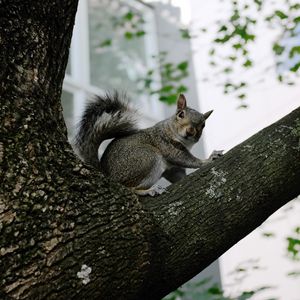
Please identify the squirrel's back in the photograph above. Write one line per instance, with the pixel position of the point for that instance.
(106, 117)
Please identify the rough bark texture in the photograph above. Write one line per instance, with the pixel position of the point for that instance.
(57, 215)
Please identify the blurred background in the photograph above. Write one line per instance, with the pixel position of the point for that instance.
(241, 59)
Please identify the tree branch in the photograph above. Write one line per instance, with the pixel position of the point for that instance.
(204, 215)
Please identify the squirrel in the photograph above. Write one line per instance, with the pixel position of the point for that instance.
(138, 158)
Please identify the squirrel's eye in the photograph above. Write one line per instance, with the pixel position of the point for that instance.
(181, 114)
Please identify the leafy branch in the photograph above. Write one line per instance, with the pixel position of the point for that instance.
(235, 39)
(172, 76)
(130, 24)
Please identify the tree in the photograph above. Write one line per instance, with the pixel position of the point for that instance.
(67, 232)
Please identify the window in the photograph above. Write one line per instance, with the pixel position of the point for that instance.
(112, 47)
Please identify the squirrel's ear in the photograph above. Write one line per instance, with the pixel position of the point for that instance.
(181, 102)
(207, 114)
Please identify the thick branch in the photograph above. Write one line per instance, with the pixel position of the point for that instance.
(207, 213)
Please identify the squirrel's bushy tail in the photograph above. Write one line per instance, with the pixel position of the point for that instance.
(105, 118)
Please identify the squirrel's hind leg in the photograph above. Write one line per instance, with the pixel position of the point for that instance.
(174, 174)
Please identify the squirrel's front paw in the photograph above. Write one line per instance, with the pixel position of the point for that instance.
(216, 154)
(157, 190)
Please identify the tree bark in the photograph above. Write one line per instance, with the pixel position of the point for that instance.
(66, 231)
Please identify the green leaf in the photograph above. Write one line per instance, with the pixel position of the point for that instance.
(183, 65)
(251, 21)
(295, 6)
(140, 33)
(150, 72)
(128, 35)
(237, 46)
(171, 99)
(297, 20)
(245, 52)
(295, 50)
(242, 31)
(258, 3)
(235, 16)
(278, 49)
(129, 16)
(246, 295)
(185, 34)
(293, 245)
(106, 43)
(281, 14)
(228, 70)
(269, 18)
(240, 270)
(296, 67)
(223, 28)
(212, 51)
(248, 63)
(215, 290)
(228, 85)
(168, 65)
(182, 89)
(147, 82)
(242, 106)
(224, 39)
(166, 88)
(232, 58)
(268, 234)
(294, 273)
(251, 37)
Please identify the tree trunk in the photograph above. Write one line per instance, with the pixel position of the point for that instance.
(67, 232)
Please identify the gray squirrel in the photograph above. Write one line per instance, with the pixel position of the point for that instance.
(138, 158)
